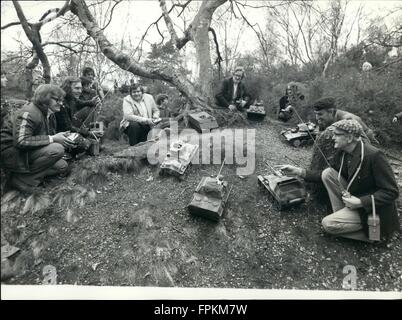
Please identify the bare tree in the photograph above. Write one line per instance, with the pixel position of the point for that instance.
(333, 26)
(197, 32)
(32, 31)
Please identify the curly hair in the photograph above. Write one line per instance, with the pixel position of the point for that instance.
(42, 94)
(240, 68)
(66, 86)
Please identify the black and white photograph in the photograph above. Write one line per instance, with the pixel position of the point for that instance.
(201, 149)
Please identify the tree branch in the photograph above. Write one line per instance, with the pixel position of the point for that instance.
(219, 58)
(16, 23)
(111, 14)
(80, 9)
(252, 27)
(60, 45)
(58, 12)
(183, 6)
(168, 21)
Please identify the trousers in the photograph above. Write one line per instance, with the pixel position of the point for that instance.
(137, 132)
(45, 161)
(343, 220)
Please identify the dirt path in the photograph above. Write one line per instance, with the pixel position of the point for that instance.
(138, 232)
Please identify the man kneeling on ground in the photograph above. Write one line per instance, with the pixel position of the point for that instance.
(358, 171)
(30, 150)
(140, 114)
(232, 93)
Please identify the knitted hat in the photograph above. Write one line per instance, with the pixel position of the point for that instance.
(349, 126)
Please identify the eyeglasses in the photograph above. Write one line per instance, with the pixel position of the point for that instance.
(238, 75)
(57, 99)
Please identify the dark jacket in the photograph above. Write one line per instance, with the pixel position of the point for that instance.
(375, 177)
(87, 94)
(65, 118)
(225, 94)
(283, 103)
(28, 129)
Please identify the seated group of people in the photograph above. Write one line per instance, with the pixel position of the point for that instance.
(359, 176)
(53, 127)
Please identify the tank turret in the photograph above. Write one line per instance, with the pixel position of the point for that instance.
(209, 198)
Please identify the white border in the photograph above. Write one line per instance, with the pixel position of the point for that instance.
(71, 292)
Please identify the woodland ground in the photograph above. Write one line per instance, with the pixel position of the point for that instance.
(138, 232)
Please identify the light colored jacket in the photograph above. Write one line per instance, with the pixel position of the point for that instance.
(139, 112)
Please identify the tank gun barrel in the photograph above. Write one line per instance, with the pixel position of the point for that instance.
(223, 163)
(276, 172)
(293, 161)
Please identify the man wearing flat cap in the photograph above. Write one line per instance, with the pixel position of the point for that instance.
(357, 171)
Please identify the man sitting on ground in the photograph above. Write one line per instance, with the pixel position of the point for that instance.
(74, 115)
(140, 114)
(30, 149)
(233, 93)
(358, 171)
(288, 102)
(285, 108)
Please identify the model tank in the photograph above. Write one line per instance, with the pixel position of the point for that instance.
(178, 158)
(256, 111)
(202, 121)
(284, 191)
(303, 133)
(210, 198)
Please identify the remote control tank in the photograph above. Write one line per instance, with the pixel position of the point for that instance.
(202, 121)
(256, 111)
(178, 158)
(284, 191)
(303, 133)
(210, 197)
